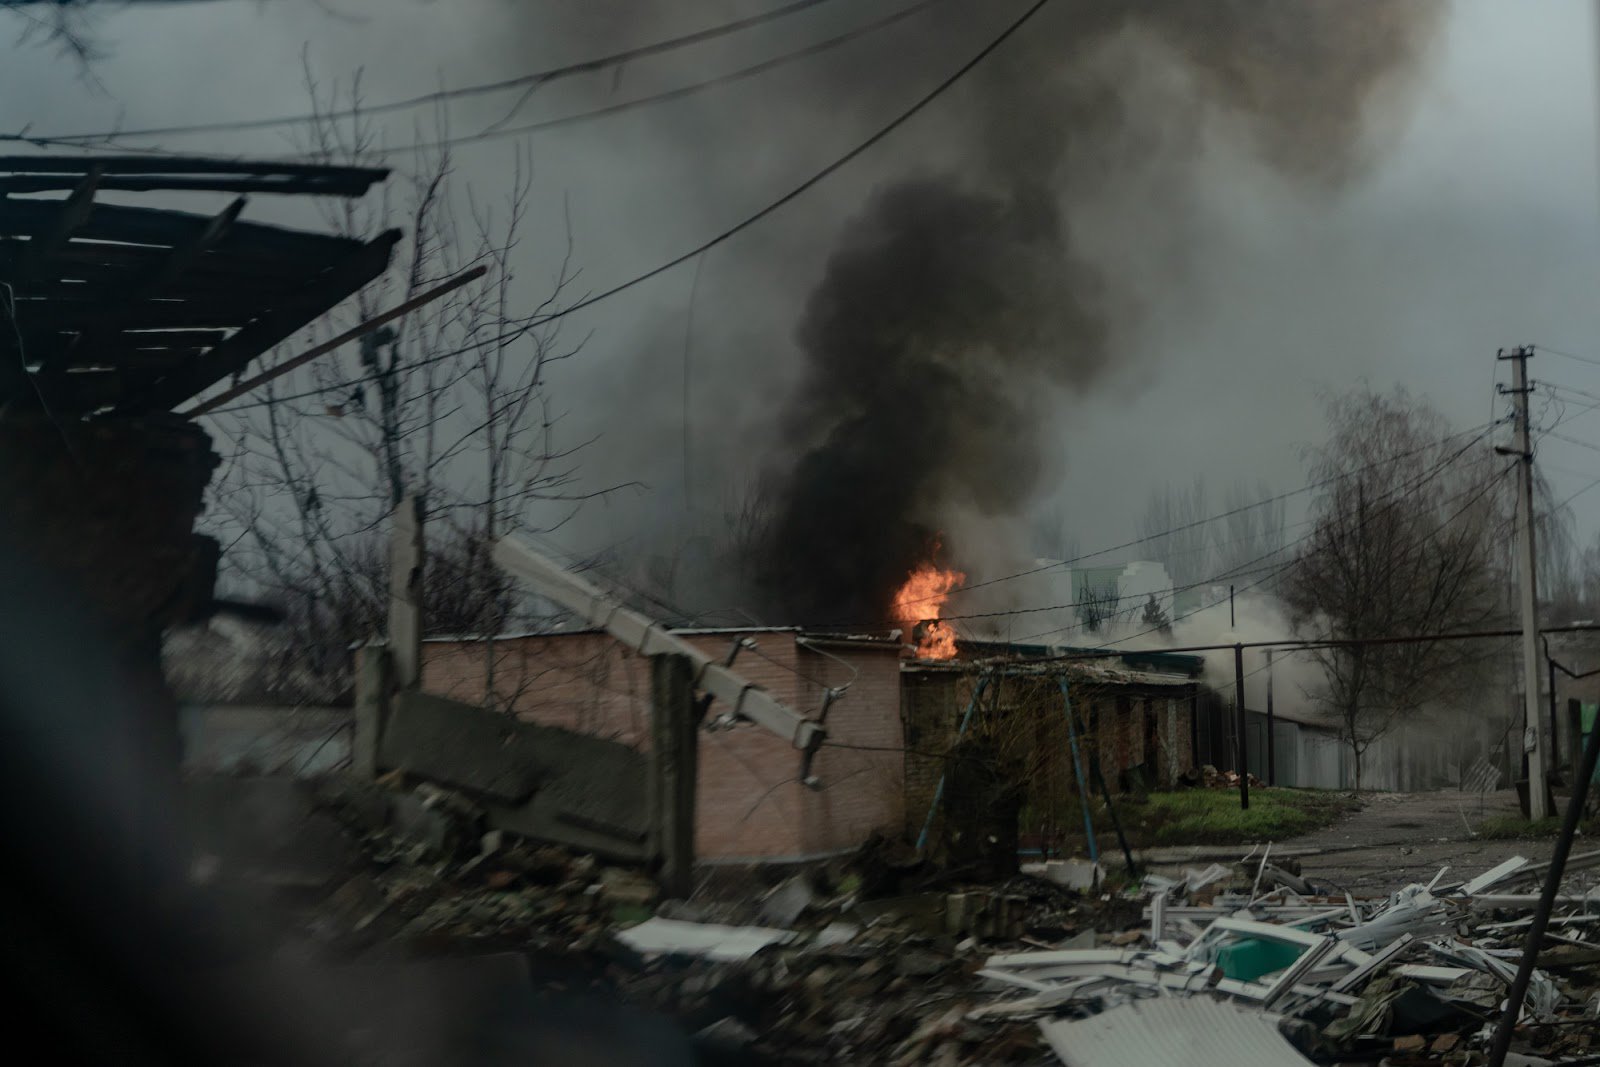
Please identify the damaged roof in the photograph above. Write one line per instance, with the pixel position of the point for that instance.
(128, 310)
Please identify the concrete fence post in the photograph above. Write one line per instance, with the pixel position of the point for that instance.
(373, 683)
(674, 759)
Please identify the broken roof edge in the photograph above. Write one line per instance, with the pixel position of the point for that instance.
(1076, 670)
(801, 635)
(147, 173)
(1007, 651)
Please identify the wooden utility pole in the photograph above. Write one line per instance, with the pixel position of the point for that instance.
(1244, 739)
(1533, 718)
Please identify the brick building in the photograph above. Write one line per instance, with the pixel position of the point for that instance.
(750, 803)
(1136, 715)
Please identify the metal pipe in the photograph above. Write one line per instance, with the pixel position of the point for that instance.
(1077, 769)
(1105, 794)
(938, 792)
(1541, 914)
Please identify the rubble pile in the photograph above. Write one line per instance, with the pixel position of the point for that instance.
(1418, 977)
(883, 958)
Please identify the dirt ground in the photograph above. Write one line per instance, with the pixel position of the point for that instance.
(1400, 838)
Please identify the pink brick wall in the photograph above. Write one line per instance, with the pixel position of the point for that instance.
(749, 802)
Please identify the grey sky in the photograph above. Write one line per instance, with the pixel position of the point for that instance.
(1477, 226)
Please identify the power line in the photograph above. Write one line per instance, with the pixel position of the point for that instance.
(1566, 355)
(1422, 481)
(750, 220)
(1553, 386)
(1572, 440)
(1576, 495)
(1239, 570)
(1309, 487)
(665, 96)
(805, 186)
(532, 80)
(1235, 572)
(504, 132)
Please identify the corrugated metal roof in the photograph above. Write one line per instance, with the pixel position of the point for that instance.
(1180, 1031)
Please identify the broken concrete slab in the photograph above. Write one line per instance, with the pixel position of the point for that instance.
(536, 781)
(470, 748)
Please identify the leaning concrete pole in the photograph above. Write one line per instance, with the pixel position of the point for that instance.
(677, 668)
(649, 638)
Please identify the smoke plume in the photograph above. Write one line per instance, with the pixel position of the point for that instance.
(955, 307)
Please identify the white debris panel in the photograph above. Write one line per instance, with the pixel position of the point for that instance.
(672, 937)
(1195, 1032)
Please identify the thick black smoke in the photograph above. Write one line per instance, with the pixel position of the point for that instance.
(952, 307)
(937, 300)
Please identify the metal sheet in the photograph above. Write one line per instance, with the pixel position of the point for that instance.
(1192, 1031)
(673, 937)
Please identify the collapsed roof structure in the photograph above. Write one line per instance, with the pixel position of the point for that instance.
(118, 310)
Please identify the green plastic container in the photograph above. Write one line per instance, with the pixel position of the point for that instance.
(1249, 958)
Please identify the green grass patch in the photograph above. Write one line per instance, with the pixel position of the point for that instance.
(1507, 827)
(1213, 816)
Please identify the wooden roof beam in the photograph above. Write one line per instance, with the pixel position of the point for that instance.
(316, 185)
(146, 164)
(176, 263)
(161, 228)
(296, 312)
(74, 212)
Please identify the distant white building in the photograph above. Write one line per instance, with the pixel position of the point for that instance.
(1097, 602)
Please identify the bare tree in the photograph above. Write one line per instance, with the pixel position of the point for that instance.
(451, 403)
(1054, 536)
(1403, 544)
(1176, 533)
(1098, 606)
(1560, 567)
(65, 24)
(1252, 533)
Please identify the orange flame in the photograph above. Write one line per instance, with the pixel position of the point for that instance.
(916, 608)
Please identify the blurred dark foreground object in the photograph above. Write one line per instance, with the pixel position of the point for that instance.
(113, 957)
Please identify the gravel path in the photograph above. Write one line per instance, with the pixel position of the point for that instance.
(1400, 838)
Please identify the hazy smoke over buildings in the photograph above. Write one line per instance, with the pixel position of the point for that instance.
(957, 305)
(949, 301)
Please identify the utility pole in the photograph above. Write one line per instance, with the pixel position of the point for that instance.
(1533, 719)
(1244, 741)
(1272, 760)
